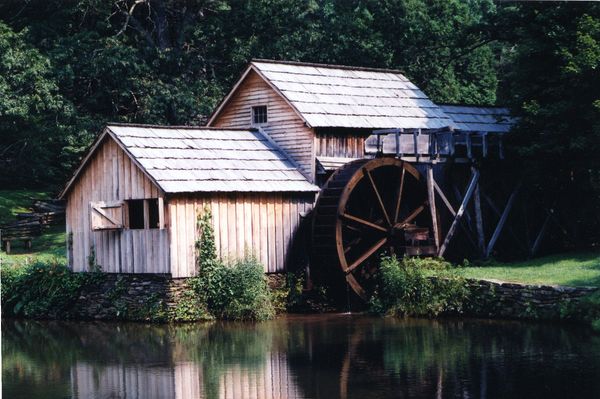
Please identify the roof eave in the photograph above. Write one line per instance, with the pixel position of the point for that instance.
(83, 162)
(106, 132)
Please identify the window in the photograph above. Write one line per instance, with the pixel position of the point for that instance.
(143, 213)
(136, 214)
(259, 115)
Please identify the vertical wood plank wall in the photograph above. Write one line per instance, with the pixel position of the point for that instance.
(111, 176)
(284, 126)
(344, 144)
(262, 224)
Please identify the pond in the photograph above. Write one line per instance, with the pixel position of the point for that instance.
(320, 356)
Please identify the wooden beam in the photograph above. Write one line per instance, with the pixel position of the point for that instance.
(508, 227)
(479, 218)
(460, 198)
(540, 236)
(444, 199)
(502, 220)
(453, 213)
(460, 212)
(432, 206)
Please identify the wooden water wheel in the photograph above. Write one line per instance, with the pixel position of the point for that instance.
(367, 207)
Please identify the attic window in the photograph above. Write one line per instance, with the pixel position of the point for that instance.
(259, 115)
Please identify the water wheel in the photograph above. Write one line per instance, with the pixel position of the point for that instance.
(367, 207)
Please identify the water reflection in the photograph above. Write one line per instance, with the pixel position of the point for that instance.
(311, 356)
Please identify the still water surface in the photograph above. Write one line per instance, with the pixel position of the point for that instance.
(324, 356)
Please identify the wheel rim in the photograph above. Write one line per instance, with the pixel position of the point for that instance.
(373, 213)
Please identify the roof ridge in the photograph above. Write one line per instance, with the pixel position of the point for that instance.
(473, 105)
(188, 127)
(330, 66)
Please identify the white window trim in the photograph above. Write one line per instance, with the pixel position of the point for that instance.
(252, 115)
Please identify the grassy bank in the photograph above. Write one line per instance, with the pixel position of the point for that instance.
(571, 269)
(48, 248)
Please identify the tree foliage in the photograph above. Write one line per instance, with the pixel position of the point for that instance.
(553, 85)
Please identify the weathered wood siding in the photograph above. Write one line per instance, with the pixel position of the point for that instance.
(284, 125)
(346, 143)
(261, 224)
(111, 176)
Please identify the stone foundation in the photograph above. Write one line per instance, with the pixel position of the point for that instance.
(131, 297)
(493, 298)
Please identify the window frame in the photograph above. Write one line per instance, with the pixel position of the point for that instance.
(146, 213)
(252, 113)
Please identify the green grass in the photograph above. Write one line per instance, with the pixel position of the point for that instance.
(572, 269)
(50, 247)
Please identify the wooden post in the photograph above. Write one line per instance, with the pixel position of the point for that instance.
(484, 145)
(479, 218)
(469, 148)
(460, 212)
(416, 144)
(7, 245)
(161, 213)
(502, 220)
(146, 215)
(432, 206)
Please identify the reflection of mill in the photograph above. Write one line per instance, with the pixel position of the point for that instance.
(184, 380)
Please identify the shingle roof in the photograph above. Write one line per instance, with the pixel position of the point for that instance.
(336, 96)
(208, 160)
(479, 119)
(187, 160)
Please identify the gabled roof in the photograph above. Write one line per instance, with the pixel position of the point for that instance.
(200, 159)
(340, 96)
(480, 119)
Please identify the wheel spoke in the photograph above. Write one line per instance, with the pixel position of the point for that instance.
(379, 200)
(410, 217)
(364, 256)
(399, 198)
(362, 222)
(350, 244)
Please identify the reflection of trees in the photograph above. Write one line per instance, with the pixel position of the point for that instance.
(374, 358)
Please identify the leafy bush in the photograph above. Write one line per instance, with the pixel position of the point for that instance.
(587, 310)
(418, 287)
(41, 290)
(236, 291)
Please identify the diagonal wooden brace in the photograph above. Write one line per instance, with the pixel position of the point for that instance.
(460, 212)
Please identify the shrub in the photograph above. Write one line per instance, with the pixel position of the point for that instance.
(41, 290)
(418, 287)
(235, 291)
